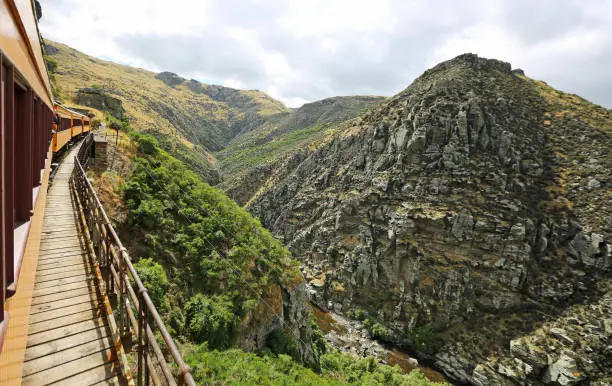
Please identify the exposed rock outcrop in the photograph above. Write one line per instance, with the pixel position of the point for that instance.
(170, 78)
(101, 100)
(464, 207)
(282, 309)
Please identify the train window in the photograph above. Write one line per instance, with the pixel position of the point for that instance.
(8, 172)
(23, 156)
(34, 142)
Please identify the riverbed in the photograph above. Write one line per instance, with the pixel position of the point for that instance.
(350, 336)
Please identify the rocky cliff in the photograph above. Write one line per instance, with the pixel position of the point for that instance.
(470, 217)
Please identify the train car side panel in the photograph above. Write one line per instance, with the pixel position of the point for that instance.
(15, 47)
(61, 139)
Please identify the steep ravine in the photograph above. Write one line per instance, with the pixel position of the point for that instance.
(352, 336)
(470, 216)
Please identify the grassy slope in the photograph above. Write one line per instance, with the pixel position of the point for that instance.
(176, 112)
(249, 131)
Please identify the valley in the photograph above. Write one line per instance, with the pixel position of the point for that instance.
(467, 219)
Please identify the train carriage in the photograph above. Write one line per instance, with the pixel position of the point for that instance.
(29, 139)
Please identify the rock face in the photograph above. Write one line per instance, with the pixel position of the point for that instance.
(170, 78)
(101, 100)
(461, 214)
(283, 309)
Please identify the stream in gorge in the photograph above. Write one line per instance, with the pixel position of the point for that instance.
(350, 336)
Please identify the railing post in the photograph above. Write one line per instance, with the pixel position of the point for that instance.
(123, 327)
(109, 258)
(142, 339)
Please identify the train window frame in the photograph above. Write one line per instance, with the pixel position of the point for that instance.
(9, 174)
(2, 189)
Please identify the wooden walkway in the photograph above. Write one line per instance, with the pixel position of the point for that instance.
(69, 340)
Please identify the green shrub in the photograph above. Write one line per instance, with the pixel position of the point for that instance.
(210, 319)
(378, 331)
(236, 367)
(95, 124)
(51, 64)
(423, 337)
(280, 343)
(148, 144)
(360, 314)
(115, 124)
(154, 278)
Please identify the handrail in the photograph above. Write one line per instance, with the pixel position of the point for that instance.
(137, 314)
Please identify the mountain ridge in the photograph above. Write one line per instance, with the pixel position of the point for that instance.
(193, 120)
(474, 197)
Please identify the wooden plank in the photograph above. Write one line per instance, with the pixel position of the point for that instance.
(66, 343)
(75, 308)
(63, 235)
(52, 256)
(94, 376)
(88, 314)
(64, 287)
(62, 295)
(63, 261)
(65, 274)
(55, 250)
(115, 381)
(76, 371)
(64, 280)
(67, 267)
(59, 220)
(62, 245)
(65, 331)
(65, 252)
(60, 357)
(62, 303)
(60, 236)
(52, 232)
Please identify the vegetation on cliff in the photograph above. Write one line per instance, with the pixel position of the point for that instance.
(219, 261)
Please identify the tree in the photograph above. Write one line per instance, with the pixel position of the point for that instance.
(155, 280)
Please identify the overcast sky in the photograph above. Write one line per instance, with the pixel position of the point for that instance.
(300, 51)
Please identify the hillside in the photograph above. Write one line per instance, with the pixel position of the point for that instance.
(188, 118)
(250, 158)
(246, 129)
(468, 218)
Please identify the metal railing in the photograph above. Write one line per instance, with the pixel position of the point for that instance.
(137, 315)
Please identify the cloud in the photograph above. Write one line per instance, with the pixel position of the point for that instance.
(299, 51)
